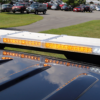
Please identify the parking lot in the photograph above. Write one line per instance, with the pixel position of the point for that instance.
(56, 19)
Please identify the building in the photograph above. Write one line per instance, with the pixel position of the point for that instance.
(92, 1)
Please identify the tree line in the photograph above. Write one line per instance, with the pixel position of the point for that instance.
(69, 2)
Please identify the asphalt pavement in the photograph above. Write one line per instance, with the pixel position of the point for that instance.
(56, 19)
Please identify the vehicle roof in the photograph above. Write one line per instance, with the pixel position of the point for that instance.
(23, 77)
(6, 4)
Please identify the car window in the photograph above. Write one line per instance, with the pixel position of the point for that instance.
(35, 5)
(78, 7)
(31, 5)
(40, 5)
(20, 4)
(10, 5)
(65, 4)
(5, 5)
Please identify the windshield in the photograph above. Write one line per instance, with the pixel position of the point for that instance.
(5, 6)
(35, 5)
(54, 5)
(65, 4)
(20, 4)
(78, 7)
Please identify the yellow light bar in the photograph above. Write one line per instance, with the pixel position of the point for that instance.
(72, 48)
(22, 42)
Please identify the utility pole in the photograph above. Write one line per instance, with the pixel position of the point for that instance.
(0, 6)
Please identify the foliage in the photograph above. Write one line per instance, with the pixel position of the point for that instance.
(74, 2)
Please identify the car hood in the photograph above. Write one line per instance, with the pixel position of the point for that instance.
(17, 6)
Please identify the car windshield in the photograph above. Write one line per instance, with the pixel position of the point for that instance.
(65, 4)
(20, 4)
(5, 5)
(87, 5)
(35, 5)
(78, 7)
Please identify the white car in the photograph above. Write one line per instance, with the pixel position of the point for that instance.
(54, 7)
(93, 6)
(98, 8)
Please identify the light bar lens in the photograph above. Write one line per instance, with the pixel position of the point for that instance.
(68, 47)
(22, 42)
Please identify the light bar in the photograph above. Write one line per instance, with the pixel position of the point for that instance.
(65, 47)
(51, 41)
(26, 39)
(22, 42)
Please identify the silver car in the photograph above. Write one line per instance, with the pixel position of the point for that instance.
(36, 7)
(98, 8)
(6, 7)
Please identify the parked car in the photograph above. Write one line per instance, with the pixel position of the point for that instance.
(55, 6)
(48, 5)
(20, 7)
(78, 9)
(61, 5)
(93, 6)
(98, 8)
(66, 8)
(36, 7)
(6, 7)
(88, 8)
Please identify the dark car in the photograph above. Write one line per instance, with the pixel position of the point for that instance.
(36, 7)
(6, 7)
(88, 8)
(20, 7)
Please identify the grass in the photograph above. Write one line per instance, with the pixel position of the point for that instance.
(88, 29)
(13, 20)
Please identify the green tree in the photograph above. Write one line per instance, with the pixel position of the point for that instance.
(74, 2)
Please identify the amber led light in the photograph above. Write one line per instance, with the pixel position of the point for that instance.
(68, 47)
(22, 42)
